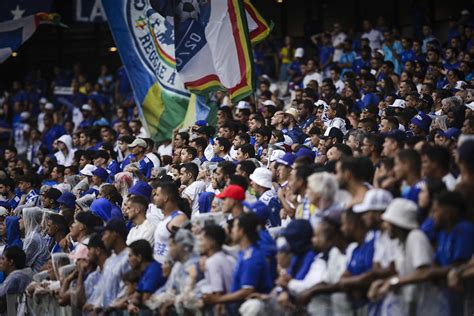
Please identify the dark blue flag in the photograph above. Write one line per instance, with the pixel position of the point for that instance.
(16, 9)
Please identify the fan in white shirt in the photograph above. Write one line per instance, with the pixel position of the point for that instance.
(136, 208)
(191, 188)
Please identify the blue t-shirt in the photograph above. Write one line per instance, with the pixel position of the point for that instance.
(252, 270)
(299, 265)
(126, 161)
(456, 245)
(358, 64)
(113, 168)
(428, 227)
(268, 247)
(407, 55)
(362, 258)
(152, 278)
(411, 192)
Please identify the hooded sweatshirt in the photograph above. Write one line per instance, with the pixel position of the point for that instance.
(102, 208)
(65, 160)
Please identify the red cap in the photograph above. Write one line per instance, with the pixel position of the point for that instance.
(232, 191)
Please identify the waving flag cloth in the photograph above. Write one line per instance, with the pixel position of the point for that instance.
(146, 45)
(14, 33)
(212, 43)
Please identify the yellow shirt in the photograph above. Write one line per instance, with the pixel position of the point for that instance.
(287, 55)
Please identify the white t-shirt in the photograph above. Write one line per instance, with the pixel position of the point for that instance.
(144, 231)
(450, 181)
(165, 150)
(336, 40)
(415, 253)
(154, 214)
(192, 193)
(218, 273)
(385, 249)
(375, 39)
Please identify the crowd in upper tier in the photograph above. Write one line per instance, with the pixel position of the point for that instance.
(343, 186)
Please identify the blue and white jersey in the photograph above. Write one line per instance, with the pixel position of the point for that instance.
(270, 199)
(32, 199)
(145, 166)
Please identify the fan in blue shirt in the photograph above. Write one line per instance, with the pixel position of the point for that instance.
(362, 256)
(251, 274)
(141, 259)
(455, 241)
(456, 235)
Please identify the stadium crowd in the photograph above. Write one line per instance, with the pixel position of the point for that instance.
(343, 187)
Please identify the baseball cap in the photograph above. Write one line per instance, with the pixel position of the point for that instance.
(101, 173)
(299, 52)
(333, 132)
(243, 105)
(232, 191)
(260, 209)
(87, 170)
(118, 226)
(287, 159)
(141, 188)
(86, 107)
(68, 199)
(398, 103)
(3, 211)
(49, 106)
(184, 238)
(402, 213)
(269, 102)
(294, 112)
(138, 142)
(451, 133)
(298, 235)
(43, 100)
(374, 200)
(276, 154)
(262, 177)
(304, 151)
(422, 120)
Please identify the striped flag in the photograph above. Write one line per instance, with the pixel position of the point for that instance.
(213, 43)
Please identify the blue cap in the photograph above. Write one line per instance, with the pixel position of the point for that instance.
(118, 226)
(259, 209)
(422, 120)
(101, 173)
(287, 159)
(451, 133)
(201, 123)
(298, 234)
(205, 201)
(141, 188)
(305, 152)
(68, 199)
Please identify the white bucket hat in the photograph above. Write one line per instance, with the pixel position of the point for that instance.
(263, 177)
(402, 213)
(374, 200)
